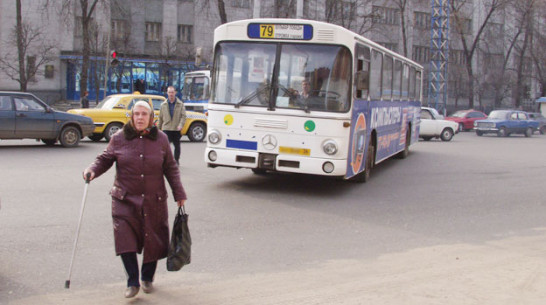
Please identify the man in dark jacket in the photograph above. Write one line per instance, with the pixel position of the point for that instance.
(139, 195)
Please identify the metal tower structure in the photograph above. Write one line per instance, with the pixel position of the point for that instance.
(439, 55)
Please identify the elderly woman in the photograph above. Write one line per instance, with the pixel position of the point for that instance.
(139, 196)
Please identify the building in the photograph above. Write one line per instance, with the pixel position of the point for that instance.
(157, 41)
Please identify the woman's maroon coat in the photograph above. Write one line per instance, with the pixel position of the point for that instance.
(139, 196)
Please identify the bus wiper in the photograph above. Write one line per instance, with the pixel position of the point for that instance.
(248, 98)
(254, 94)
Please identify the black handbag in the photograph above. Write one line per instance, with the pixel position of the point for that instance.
(180, 247)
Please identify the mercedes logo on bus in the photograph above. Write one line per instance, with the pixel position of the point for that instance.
(269, 142)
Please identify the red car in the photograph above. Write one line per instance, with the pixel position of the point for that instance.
(466, 118)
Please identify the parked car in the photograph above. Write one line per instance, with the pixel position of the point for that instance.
(466, 118)
(433, 125)
(115, 110)
(537, 116)
(24, 116)
(505, 122)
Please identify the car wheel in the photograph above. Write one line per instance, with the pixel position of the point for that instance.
(479, 133)
(447, 134)
(502, 132)
(70, 136)
(528, 132)
(426, 138)
(543, 129)
(95, 137)
(197, 132)
(461, 127)
(111, 130)
(49, 142)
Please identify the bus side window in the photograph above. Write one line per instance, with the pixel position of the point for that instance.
(418, 85)
(386, 94)
(412, 83)
(362, 72)
(375, 75)
(405, 82)
(397, 80)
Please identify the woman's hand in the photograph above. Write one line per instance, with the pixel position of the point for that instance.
(90, 173)
(181, 202)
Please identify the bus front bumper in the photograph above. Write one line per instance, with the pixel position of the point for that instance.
(275, 162)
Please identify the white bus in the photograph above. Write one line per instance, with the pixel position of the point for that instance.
(303, 96)
(196, 90)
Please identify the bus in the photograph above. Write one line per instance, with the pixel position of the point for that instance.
(196, 89)
(302, 96)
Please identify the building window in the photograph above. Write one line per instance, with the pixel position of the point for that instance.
(240, 3)
(118, 29)
(457, 57)
(391, 46)
(153, 31)
(185, 33)
(78, 27)
(386, 15)
(421, 20)
(465, 25)
(421, 54)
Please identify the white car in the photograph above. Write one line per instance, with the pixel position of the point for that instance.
(433, 125)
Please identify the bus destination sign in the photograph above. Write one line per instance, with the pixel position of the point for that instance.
(280, 31)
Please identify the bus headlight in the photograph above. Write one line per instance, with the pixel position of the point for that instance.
(328, 167)
(330, 147)
(212, 156)
(215, 136)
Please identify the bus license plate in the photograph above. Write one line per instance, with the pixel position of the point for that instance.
(294, 151)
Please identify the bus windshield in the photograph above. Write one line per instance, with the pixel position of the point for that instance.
(307, 77)
(195, 88)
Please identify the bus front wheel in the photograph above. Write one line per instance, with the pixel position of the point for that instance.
(364, 176)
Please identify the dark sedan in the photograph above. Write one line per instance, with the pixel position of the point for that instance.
(24, 116)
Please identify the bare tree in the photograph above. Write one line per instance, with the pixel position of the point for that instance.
(537, 52)
(402, 6)
(470, 41)
(32, 52)
(349, 14)
(207, 7)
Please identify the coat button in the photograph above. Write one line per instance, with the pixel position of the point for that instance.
(145, 214)
(141, 137)
(141, 155)
(142, 175)
(159, 198)
(143, 195)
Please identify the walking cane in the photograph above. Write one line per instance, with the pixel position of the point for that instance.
(87, 177)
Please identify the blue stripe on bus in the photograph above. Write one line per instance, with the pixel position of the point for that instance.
(242, 144)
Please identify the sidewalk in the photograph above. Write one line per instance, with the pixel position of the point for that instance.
(505, 271)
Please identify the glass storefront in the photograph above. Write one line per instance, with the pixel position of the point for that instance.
(146, 76)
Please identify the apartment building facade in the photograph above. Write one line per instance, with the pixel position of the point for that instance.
(158, 40)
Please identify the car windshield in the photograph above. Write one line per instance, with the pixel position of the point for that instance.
(499, 115)
(108, 103)
(308, 77)
(459, 114)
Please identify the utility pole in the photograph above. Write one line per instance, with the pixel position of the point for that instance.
(439, 55)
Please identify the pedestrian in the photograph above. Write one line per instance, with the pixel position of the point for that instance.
(85, 100)
(172, 117)
(139, 196)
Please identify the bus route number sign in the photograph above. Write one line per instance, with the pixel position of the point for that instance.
(280, 31)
